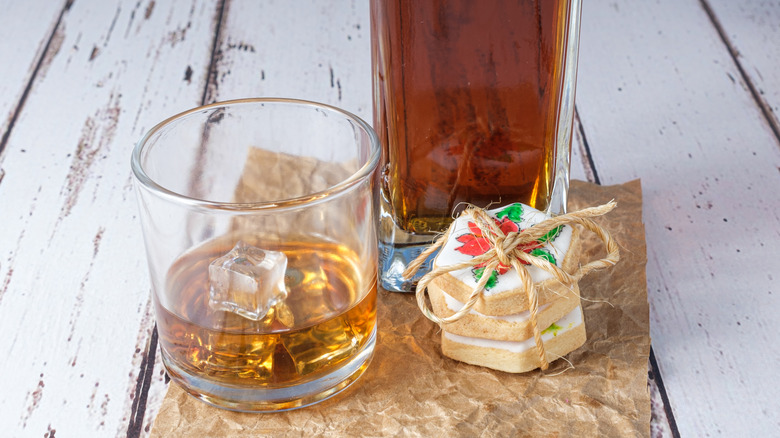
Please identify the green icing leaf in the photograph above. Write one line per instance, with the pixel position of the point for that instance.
(492, 281)
(551, 235)
(552, 328)
(543, 253)
(514, 212)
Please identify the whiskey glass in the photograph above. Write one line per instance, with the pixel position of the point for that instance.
(259, 219)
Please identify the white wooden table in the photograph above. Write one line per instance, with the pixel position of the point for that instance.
(684, 94)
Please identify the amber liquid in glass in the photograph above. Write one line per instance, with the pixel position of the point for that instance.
(327, 317)
(466, 102)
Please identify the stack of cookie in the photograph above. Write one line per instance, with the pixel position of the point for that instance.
(497, 332)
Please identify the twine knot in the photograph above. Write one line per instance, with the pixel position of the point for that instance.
(505, 250)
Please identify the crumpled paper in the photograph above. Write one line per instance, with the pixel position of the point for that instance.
(411, 390)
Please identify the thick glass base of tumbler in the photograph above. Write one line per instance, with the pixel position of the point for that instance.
(244, 399)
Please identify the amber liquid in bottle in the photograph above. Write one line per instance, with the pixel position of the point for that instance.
(466, 102)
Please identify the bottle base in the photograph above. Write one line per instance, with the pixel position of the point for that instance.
(393, 260)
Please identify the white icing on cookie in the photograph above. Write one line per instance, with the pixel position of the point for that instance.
(568, 322)
(456, 305)
(510, 280)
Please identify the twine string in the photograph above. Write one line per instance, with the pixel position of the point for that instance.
(506, 250)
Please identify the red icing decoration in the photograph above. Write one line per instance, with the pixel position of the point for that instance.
(475, 244)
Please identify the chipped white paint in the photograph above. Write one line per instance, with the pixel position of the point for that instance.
(315, 51)
(752, 27)
(74, 294)
(35, 20)
(660, 98)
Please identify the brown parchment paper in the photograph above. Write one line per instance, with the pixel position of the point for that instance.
(410, 389)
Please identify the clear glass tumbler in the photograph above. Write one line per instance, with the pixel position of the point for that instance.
(473, 104)
(259, 219)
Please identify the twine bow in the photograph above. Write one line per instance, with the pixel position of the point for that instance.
(505, 249)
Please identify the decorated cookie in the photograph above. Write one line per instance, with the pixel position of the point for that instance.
(504, 293)
(559, 338)
(504, 286)
(513, 327)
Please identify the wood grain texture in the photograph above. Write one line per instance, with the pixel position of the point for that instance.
(681, 93)
(660, 98)
(23, 57)
(273, 49)
(75, 296)
(751, 30)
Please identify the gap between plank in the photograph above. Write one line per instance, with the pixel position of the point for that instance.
(665, 398)
(142, 388)
(211, 73)
(588, 155)
(33, 76)
(766, 110)
(653, 363)
(143, 383)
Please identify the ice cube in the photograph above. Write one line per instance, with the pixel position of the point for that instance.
(247, 281)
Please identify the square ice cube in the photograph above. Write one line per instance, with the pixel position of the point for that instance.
(247, 281)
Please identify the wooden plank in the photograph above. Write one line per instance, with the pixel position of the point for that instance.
(660, 98)
(274, 49)
(74, 292)
(750, 29)
(26, 29)
(662, 424)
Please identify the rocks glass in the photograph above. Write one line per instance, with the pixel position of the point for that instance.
(259, 221)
